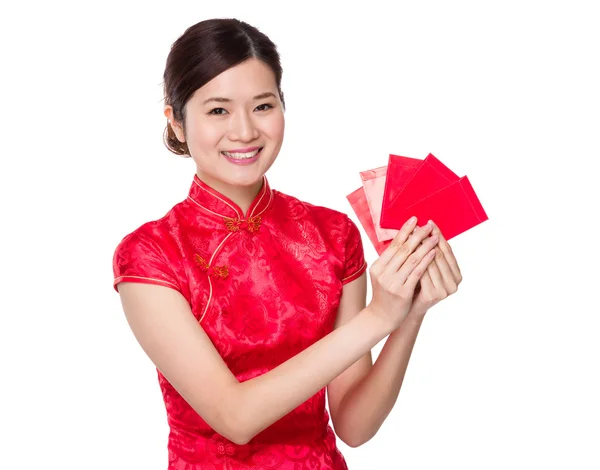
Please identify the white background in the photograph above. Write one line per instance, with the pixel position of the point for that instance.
(504, 374)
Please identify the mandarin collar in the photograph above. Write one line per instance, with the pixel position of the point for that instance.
(215, 203)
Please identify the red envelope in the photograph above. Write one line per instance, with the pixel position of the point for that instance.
(431, 176)
(455, 209)
(399, 171)
(358, 201)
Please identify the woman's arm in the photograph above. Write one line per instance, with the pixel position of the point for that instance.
(165, 327)
(353, 300)
(163, 324)
(363, 407)
(361, 398)
(367, 404)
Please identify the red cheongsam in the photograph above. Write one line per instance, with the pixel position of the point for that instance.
(264, 287)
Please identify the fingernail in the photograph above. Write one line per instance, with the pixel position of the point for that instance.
(412, 220)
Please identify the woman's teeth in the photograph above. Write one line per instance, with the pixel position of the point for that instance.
(242, 156)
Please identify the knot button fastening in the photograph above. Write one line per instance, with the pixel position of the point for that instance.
(252, 224)
(213, 271)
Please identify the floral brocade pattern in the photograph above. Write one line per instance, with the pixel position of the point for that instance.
(264, 286)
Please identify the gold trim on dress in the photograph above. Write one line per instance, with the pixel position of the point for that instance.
(213, 193)
(208, 301)
(121, 279)
(204, 208)
(355, 272)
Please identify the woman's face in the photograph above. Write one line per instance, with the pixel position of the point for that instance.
(237, 112)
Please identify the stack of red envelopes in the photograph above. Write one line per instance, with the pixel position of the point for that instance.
(427, 189)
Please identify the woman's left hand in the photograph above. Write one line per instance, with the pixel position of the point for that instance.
(440, 280)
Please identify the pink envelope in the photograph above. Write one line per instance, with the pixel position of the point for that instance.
(358, 201)
(373, 182)
(431, 176)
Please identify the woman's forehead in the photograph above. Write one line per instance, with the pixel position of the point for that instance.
(247, 81)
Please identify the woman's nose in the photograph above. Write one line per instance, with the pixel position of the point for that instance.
(243, 128)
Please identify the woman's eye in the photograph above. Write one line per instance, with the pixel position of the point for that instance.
(221, 111)
(268, 106)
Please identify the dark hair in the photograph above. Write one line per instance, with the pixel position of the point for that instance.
(205, 50)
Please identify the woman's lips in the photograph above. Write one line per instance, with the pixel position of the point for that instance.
(245, 150)
(244, 161)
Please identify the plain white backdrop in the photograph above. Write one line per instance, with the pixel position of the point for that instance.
(504, 374)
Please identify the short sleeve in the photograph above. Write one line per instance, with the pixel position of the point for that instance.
(140, 259)
(354, 264)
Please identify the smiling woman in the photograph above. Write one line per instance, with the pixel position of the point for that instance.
(249, 301)
(223, 116)
(229, 95)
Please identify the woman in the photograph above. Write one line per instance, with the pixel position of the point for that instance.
(250, 302)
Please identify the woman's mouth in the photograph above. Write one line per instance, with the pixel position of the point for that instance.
(240, 158)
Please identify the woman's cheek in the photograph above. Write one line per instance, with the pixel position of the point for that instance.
(276, 126)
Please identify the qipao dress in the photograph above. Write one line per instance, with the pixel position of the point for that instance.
(264, 286)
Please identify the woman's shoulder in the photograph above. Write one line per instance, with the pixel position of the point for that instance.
(147, 255)
(153, 234)
(318, 213)
(330, 227)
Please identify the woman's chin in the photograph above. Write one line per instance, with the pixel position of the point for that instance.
(243, 177)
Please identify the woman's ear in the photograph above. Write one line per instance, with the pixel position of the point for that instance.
(175, 125)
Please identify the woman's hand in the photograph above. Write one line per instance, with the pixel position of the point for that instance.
(396, 273)
(441, 278)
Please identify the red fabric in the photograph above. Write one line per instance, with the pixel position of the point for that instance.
(264, 286)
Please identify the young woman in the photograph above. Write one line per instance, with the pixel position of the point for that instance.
(252, 303)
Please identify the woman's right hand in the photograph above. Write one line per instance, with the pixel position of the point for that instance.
(398, 270)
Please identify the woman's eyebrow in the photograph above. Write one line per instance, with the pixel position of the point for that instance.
(218, 99)
(262, 96)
